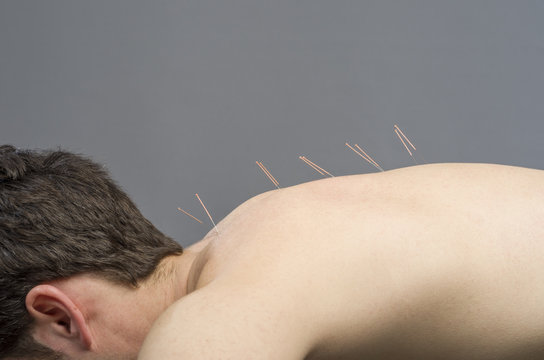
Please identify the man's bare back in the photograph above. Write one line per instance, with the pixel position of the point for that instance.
(437, 261)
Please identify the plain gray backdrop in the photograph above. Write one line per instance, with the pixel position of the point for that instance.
(182, 97)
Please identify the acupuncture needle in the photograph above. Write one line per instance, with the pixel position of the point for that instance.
(268, 174)
(365, 156)
(403, 137)
(186, 213)
(316, 167)
(207, 212)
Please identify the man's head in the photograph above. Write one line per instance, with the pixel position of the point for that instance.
(62, 216)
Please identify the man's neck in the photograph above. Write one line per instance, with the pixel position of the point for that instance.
(186, 268)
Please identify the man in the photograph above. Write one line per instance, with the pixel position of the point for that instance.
(67, 235)
(437, 261)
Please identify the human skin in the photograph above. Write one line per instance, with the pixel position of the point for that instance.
(442, 261)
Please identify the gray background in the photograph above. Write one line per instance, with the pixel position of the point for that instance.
(179, 97)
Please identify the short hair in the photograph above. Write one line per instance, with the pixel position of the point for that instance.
(61, 215)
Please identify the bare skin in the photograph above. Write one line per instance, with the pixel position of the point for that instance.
(440, 261)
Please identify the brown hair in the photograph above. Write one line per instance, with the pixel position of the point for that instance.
(62, 215)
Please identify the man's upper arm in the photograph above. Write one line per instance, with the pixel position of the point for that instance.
(224, 322)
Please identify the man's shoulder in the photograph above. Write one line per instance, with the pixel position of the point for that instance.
(229, 319)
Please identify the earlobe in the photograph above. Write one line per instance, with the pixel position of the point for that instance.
(59, 323)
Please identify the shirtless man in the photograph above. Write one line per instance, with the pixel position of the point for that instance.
(441, 261)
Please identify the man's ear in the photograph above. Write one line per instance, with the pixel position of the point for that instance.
(58, 322)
